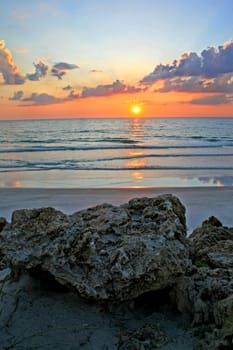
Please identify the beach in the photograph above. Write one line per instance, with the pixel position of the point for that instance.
(200, 202)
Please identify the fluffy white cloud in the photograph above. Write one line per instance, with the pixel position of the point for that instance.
(10, 72)
(212, 63)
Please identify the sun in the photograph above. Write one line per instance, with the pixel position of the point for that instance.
(136, 109)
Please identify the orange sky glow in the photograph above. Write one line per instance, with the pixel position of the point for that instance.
(164, 105)
(92, 59)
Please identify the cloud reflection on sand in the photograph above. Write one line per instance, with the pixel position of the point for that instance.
(14, 183)
(219, 181)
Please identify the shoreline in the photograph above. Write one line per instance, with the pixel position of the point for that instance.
(200, 202)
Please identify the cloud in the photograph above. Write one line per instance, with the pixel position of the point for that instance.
(95, 71)
(226, 180)
(213, 100)
(60, 69)
(41, 99)
(221, 84)
(67, 88)
(10, 72)
(21, 50)
(73, 95)
(212, 63)
(117, 87)
(65, 66)
(17, 96)
(57, 73)
(41, 70)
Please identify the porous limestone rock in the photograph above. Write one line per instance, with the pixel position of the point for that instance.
(212, 244)
(207, 289)
(106, 252)
(2, 223)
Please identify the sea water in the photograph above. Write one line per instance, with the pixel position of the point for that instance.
(91, 153)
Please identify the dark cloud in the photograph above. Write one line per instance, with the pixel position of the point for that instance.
(67, 88)
(46, 99)
(213, 100)
(60, 69)
(41, 70)
(57, 73)
(73, 95)
(221, 84)
(65, 66)
(95, 71)
(17, 96)
(10, 72)
(212, 63)
(117, 87)
(41, 99)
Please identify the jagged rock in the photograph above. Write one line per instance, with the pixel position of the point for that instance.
(105, 252)
(210, 280)
(198, 293)
(212, 221)
(2, 223)
(5, 275)
(212, 244)
(206, 292)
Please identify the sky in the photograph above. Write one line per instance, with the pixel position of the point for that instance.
(101, 58)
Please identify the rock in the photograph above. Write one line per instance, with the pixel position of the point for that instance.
(115, 254)
(198, 293)
(150, 336)
(212, 221)
(206, 292)
(223, 317)
(212, 244)
(106, 252)
(2, 223)
(5, 275)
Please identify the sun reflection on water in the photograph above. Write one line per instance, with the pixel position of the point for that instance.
(136, 130)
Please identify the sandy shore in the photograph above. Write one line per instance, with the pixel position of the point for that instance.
(200, 202)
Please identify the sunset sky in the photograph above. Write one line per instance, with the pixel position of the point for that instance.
(101, 58)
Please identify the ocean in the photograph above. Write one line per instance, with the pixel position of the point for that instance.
(116, 153)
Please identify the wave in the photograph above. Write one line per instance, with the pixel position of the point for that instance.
(167, 155)
(55, 141)
(46, 167)
(108, 147)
